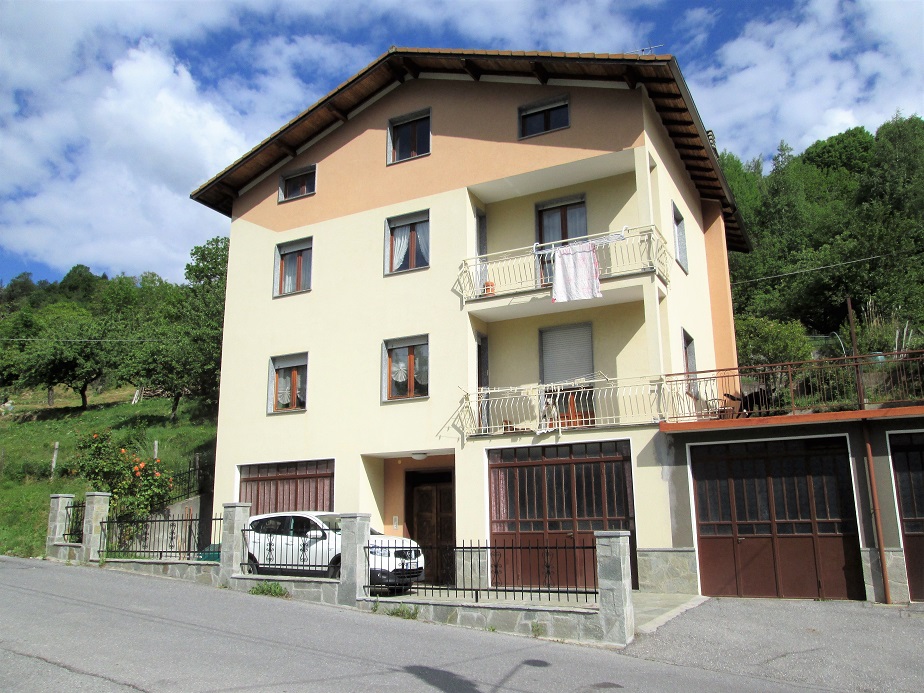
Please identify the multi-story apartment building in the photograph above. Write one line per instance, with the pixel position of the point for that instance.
(457, 288)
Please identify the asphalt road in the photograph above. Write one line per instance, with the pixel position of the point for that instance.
(80, 628)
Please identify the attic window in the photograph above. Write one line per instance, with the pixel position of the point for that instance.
(298, 184)
(409, 136)
(545, 116)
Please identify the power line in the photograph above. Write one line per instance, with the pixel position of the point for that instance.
(823, 267)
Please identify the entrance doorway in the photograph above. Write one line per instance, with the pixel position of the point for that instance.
(430, 509)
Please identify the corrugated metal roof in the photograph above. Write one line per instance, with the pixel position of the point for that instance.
(659, 74)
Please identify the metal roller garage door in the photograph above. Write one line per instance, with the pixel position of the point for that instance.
(777, 519)
(271, 488)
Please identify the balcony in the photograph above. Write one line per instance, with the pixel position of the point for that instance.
(631, 251)
(873, 384)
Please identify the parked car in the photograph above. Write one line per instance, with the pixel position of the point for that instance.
(307, 543)
(212, 552)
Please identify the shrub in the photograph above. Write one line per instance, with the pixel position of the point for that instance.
(270, 589)
(404, 611)
(137, 484)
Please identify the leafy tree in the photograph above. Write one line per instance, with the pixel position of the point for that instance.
(68, 350)
(762, 341)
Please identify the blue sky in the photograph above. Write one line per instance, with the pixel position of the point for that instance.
(112, 112)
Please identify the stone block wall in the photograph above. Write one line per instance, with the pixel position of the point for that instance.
(667, 571)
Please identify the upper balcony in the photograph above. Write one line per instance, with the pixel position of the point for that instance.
(859, 387)
(630, 252)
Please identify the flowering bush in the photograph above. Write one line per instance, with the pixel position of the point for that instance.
(138, 484)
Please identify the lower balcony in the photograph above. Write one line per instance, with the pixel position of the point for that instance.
(876, 385)
(631, 251)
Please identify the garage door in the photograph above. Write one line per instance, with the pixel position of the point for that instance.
(548, 500)
(271, 488)
(777, 519)
(908, 463)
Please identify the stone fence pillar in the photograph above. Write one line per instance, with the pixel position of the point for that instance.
(614, 577)
(354, 560)
(95, 514)
(233, 551)
(57, 522)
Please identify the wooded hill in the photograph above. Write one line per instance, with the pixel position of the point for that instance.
(844, 218)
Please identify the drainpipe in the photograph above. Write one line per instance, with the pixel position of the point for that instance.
(877, 517)
(873, 489)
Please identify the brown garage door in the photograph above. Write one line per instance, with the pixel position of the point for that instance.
(271, 488)
(554, 497)
(777, 519)
(908, 462)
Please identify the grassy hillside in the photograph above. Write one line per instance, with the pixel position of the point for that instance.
(27, 439)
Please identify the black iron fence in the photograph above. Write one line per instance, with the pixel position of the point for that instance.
(178, 538)
(197, 479)
(74, 522)
(476, 571)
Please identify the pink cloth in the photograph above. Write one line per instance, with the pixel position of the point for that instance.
(577, 272)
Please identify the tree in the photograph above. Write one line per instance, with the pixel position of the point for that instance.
(68, 350)
(762, 341)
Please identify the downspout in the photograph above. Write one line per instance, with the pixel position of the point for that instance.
(873, 489)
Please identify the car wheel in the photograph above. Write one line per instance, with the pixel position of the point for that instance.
(252, 566)
(333, 571)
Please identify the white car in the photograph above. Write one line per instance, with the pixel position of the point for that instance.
(302, 543)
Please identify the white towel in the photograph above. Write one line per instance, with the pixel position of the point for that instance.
(577, 273)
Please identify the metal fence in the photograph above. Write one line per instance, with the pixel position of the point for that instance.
(197, 479)
(556, 572)
(848, 383)
(178, 538)
(74, 522)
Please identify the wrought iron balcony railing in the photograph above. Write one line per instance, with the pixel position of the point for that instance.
(811, 387)
(631, 251)
(871, 381)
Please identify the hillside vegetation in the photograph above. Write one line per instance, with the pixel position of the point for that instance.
(29, 432)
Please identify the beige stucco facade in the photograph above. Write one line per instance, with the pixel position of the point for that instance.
(615, 156)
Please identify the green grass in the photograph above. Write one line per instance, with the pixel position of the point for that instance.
(270, 589)
(24, 513)
(29, 433)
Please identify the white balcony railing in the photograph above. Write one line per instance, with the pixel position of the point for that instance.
(630, 251)
(581, 403)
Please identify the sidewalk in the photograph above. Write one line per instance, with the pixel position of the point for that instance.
(844, 646)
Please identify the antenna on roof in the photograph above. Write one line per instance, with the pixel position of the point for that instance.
(648, 50)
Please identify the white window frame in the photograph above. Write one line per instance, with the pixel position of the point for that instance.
(277, 363)
(410, 342)
(680, 240)
(403, 220)
(285, 177)
(539, 106)
(390, 154)
(284, 249)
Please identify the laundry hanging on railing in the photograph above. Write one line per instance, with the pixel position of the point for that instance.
(577, 272)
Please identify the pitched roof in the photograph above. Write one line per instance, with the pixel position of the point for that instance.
(659, 74)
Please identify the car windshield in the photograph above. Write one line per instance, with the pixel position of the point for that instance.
(332, 522)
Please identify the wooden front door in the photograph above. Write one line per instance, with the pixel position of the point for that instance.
(908, 463)
(777, 519)
(433, 522)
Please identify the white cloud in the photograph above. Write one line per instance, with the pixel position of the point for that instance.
(812, 73)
